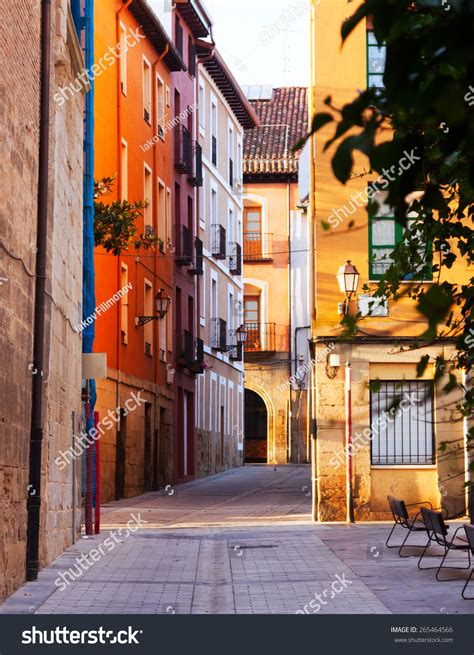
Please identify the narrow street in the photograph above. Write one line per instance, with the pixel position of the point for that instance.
(239, 542)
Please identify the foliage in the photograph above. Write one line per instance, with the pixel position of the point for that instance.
(115, 223)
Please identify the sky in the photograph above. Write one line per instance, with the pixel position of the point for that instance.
(263, 41)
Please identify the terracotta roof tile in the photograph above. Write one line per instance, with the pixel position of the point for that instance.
(283, 120)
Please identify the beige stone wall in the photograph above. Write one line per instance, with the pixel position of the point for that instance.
(440, 483)
(64, 287)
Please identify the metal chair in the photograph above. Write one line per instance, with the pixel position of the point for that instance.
(402, 518)
(437, 532)
(470, 538)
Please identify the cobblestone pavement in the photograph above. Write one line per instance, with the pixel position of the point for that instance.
(238, 542)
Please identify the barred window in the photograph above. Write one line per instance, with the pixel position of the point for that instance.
(401, 418)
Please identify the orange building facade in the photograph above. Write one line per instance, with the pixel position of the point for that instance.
(134, 141)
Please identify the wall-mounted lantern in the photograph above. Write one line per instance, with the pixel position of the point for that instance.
(162, 303)
(348, 279)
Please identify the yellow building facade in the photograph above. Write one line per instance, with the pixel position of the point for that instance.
(355, 382)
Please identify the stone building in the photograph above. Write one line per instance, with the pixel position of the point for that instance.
(223, 114)
(18, 233)
(276, 300)
(355, 383)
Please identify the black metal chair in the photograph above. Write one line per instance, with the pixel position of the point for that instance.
(402, 518)
(470, 538)
(437, 532)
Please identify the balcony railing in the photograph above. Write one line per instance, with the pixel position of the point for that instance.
(195, 179)
(258, 246)
(260, 337)
(198, 260)
(189, 352)
(218, 241)
(182, 149)
(219, 334)
(235, 260)
(183, 245)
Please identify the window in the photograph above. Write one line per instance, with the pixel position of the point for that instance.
(124, 170)
(252, 322)
(401, 418)
(163, 339)
(202, 199)
(213, 206)
(160, 107)
(179, 36)
(148, 195)
(231, 156)
(213, 307)
(191, 57)
(161, 209)
(375, 61)
(168, 237)
(214, 133)
(230, 226)
(148, 311)
(123, 60)
(384, 234)
(146, 81)
(124, 305)
(202, 106)
(253, 246)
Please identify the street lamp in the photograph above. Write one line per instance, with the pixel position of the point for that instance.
(241, 333)
(348, 279)
(162, 302)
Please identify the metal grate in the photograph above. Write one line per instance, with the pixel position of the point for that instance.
(401, 419)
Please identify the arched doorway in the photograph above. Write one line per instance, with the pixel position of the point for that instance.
(256, 428)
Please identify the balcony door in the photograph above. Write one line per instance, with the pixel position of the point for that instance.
(252, 322)
(253, 232)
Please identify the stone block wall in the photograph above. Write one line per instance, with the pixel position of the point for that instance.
(62, 375)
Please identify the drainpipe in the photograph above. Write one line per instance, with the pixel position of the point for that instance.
(300, 327)
(290, 409)
(312, 285)
(349, 493)
(36, 433)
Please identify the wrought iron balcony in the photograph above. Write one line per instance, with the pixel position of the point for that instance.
(258, 246)
(260, 337)
(219, 334)
(189, 352)
(182, 149)
(218, 241)
(183, 245)
(195, 178)
(197, 364)
(198, 260)
(235, 260)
